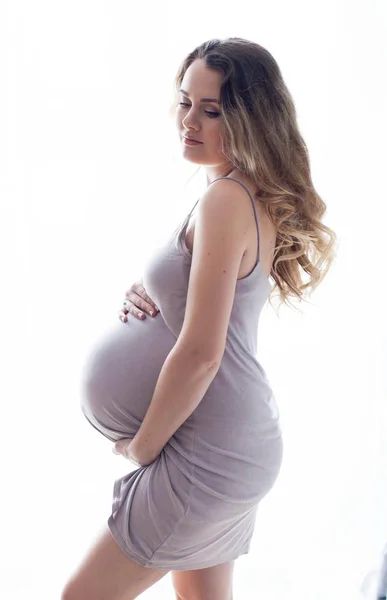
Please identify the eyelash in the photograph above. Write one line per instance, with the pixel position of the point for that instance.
(208, 112)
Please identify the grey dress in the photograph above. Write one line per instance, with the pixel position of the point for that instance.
(195, 506)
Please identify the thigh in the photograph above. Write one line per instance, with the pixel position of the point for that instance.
(106, 573)
(213, 583)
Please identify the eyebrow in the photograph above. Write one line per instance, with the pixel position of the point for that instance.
(202, 99)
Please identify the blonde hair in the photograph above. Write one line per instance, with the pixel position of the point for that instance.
(262, 140)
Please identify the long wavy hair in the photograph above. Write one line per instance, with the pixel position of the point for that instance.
(262, 139)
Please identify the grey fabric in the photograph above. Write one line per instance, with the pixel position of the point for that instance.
(195, 506)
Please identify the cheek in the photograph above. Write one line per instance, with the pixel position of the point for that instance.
(214, 130)
(216, 137)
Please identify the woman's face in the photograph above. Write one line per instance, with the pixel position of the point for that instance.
(198, 119)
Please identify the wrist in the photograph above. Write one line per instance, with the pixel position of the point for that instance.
(138, 457)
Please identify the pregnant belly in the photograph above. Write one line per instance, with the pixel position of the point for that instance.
(120, 375)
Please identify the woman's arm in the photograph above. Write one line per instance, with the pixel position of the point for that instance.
(182, 383)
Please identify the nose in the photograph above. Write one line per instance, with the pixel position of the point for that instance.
(190, 123)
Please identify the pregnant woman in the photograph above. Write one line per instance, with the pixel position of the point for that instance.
(182, 394)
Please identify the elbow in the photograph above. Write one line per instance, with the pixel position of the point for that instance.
(199, 355)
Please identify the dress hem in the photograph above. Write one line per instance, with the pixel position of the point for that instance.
(153, 564)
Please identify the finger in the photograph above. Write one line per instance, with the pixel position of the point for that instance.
(150, 301)
(122, 316)
(122, 447)
(131, 309)
(140, 298)
(135, 301)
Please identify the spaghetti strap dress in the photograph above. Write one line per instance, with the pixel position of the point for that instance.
(195, 506)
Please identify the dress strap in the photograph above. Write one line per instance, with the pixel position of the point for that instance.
(254, 208)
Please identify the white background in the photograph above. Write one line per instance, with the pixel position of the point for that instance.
(91, 178)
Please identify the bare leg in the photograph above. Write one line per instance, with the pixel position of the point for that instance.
(213, 582)
(106, 573)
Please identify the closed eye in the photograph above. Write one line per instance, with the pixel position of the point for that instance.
(208, 112)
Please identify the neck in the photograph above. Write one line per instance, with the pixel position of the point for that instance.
(211, 177)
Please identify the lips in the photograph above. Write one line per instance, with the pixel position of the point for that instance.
(191, 139)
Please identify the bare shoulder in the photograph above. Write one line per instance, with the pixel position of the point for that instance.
(267, 229)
